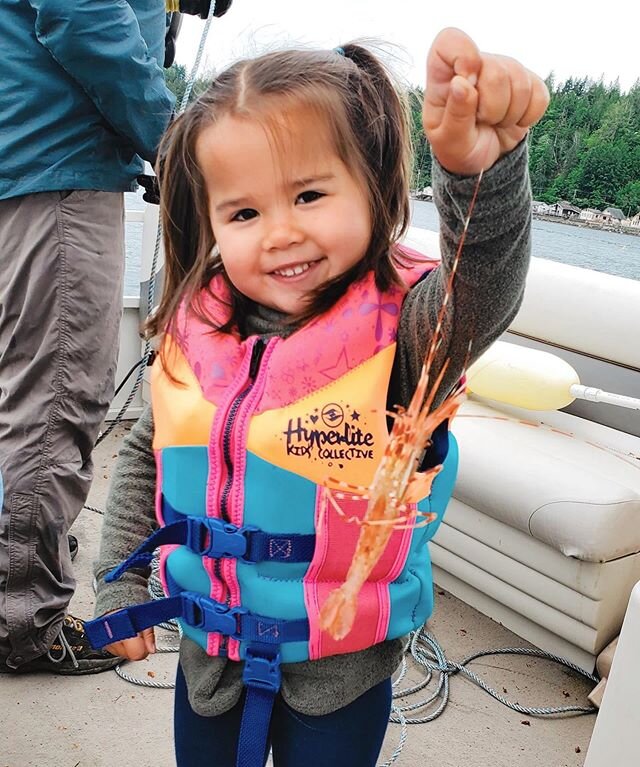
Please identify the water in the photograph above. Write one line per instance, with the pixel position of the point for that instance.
(604, 251)
(608, 252)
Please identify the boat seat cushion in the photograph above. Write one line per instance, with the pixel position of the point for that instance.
(566, 482)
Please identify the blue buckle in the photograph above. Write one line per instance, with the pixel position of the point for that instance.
(211, 537)
(204, 613)
(260, 671)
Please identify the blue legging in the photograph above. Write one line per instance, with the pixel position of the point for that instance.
(349, 737)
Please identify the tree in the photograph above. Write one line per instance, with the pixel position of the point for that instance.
(421, 174)
(176, 78)
(628, 198)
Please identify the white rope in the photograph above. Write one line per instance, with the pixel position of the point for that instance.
(425, 651)
(196, 64)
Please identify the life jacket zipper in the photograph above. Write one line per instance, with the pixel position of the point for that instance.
(256, 355)
(254, 365)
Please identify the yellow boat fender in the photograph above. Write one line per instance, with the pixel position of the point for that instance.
(533, 379)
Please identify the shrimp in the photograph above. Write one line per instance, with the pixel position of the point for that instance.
(396, 476)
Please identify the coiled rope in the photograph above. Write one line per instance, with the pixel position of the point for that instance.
(424, 649)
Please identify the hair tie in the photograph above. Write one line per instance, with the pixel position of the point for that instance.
(339, 51)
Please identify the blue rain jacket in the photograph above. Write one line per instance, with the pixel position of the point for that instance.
(83, 97)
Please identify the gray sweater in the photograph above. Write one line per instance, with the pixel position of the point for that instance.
(488, 290)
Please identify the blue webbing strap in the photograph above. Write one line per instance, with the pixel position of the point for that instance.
(247, 543)
(262, 678)
(124, 624)
(211, 537)
(142, 556)
(197, 611)
(256, 628)
(267, 547)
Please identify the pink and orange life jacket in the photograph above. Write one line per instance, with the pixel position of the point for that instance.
(247, 435)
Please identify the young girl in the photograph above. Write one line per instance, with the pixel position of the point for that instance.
(291, 320)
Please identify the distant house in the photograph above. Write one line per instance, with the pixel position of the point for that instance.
(424, 194)
(540, 207)
(633, 222)
(614, 213)
(591, 214)
(564, 209)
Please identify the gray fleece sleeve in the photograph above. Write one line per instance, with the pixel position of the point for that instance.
(489, 282)
(129, 518)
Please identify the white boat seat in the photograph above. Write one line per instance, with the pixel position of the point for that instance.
(543, 531)
(579, 493)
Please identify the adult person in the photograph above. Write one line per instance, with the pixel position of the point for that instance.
(83, 102)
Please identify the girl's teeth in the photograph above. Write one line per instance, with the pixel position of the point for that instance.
(294, 271)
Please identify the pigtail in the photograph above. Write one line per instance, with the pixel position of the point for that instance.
(384, 119)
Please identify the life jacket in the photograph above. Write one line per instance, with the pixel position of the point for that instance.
(248, 434)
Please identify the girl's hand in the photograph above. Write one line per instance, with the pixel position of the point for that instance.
(136, 648)
(477, 106)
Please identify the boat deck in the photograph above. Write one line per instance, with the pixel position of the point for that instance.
(104, 721)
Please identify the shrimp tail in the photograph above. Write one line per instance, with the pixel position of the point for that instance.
(338, 613)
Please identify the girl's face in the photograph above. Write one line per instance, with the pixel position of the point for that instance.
(285, 221)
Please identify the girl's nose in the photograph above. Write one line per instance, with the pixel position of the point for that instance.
(282, 233)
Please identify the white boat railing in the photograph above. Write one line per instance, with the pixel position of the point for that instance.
(615, 737)
(131, 344)
(134, 216)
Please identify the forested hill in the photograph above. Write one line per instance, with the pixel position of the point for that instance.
(586, 148)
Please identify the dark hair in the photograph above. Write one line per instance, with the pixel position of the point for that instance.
(366, 116)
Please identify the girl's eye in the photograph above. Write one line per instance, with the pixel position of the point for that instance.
(309, 196)
(246, 214)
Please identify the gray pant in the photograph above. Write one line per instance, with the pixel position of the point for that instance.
(61, 271)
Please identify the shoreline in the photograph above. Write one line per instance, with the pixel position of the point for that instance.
(582, 224)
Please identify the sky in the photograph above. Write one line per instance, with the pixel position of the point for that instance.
(571, 39)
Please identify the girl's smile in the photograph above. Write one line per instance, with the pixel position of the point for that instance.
(286, 218)
(296, 271)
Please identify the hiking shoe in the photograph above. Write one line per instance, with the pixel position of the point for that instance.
(70, 654)
(73, 546)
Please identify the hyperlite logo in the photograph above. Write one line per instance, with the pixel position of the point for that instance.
(332, 434)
